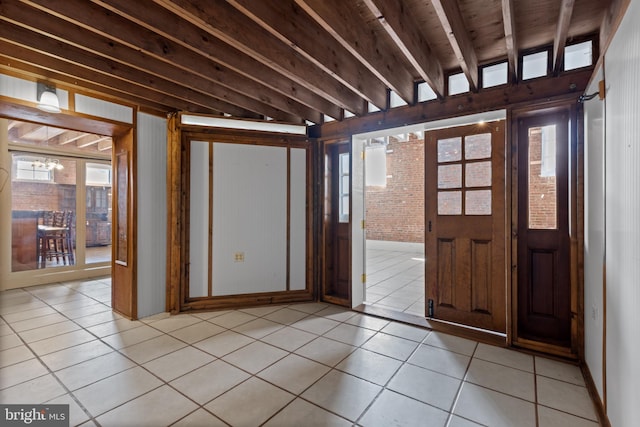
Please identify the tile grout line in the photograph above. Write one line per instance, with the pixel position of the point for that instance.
(51, 372)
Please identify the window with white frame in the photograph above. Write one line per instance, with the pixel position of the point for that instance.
(32, 168)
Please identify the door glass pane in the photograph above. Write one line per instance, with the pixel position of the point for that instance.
(477, 174)
(450, 149)
(43, 208)
(477, 202)
(344, 186)
(449, 176)
(343, 189)
(477, 146)
(450, 203)
(542, 178)
(98, 204)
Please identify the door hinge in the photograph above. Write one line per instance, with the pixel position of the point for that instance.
(362, 155)
(362, 224)
(364, 278)
(429, 226)
(430, 308)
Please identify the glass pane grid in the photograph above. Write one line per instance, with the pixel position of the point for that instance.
(474, 158)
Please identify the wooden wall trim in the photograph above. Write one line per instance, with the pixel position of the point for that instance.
(174, 231)
(177, 221)
(593, 393)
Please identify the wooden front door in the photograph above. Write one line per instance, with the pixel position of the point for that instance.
(123, 264)
(544, 288)
(465, 230)
(337, 224)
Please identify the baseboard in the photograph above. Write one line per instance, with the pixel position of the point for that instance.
(595, 397)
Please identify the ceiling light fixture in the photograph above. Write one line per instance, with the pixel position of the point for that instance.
(48, 164)
(48, 98)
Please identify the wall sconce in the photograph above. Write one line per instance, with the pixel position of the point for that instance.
(47, 98)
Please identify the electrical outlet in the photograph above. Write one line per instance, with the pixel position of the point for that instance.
(239, 257)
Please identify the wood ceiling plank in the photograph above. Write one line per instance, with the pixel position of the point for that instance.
(288, 22)
(510, 39)
(409, 37)
(191, 37)
(562, 29)
(341, 20)
(453, 24)
(44, 21)
(223, 21)
(103, 66)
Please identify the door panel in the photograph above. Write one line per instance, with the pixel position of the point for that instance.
(123, 266)
(465, 240)
(544, 289)
(337, 267)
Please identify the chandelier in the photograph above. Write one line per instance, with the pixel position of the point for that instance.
(49, 164)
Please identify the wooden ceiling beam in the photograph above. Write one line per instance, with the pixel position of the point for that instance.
(341, 20)
(288, 22)
(67, 31)
(223, 21)
(567, 86)
(508, 18)
(400, 24)
(105, 145)
(450, 17)
(68, 137)
(191, 37)
(562, 29)
(89, 140)
(106, 67)
(26, 130)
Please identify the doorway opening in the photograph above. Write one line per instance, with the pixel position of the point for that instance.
(395, 236)
(60, 182)
(394, 225)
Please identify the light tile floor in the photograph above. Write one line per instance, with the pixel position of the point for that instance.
(287, 365)
(395, 280)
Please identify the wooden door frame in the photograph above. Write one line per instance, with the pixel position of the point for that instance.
(178, 232)
(124, 273)
(576, 214)
(13, 109)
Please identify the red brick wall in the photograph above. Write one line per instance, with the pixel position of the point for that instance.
(542, 190)
(396, 212)
(43, 196)
(59, 195)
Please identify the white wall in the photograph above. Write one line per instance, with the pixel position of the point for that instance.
(151, 140)
(594, 233)
(622, 68)
(249, 218)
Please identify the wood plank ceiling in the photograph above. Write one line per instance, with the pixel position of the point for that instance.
(289, 60)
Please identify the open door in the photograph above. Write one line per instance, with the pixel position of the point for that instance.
(465, 231)
(337, 224)
(123, 265)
